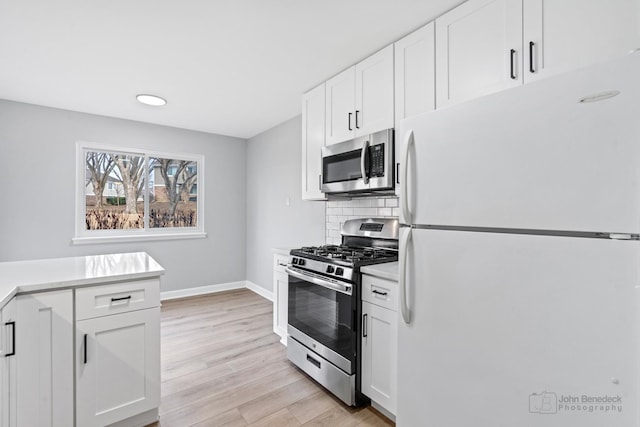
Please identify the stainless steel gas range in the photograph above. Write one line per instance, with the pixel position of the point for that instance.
(325, 309)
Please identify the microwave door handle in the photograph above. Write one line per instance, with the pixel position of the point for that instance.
(363, 162)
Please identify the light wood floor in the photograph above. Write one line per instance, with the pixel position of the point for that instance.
(222, 365)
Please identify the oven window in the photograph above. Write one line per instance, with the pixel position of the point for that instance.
(342, 167)
(324, 315)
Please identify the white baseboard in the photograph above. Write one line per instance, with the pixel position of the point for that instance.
(210, 289)
(260, 290)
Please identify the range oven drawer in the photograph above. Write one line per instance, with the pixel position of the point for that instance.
(333, 379)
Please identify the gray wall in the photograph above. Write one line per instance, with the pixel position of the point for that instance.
(37, 174)
(273, 174)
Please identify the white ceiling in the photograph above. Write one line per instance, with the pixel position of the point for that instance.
(231, 67)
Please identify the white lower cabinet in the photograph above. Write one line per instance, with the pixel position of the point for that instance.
(44, 359)
(281, 296)
(379, 341)
(116, 354)
(8, 407)
(118, 366)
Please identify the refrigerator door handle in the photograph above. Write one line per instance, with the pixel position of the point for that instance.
(405, 240)
(404, 194)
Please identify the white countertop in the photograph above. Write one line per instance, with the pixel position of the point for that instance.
(281, 251)
(48, 274)
(387, 270)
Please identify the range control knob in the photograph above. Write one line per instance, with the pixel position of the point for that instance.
(294, 261)
(330, 269)
(301, 261)
(339, 271)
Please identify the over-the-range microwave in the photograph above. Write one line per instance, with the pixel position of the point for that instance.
(360, 166)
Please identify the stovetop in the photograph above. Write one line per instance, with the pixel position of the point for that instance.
(351, 256)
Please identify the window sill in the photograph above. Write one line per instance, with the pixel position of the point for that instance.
(137, 238)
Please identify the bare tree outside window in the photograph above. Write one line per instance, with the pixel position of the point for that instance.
(104, 210)
(133, 193)
(174, 205)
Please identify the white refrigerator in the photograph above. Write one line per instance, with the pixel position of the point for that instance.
(520, 258)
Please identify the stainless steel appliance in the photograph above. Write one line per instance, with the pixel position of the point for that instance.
(325, 310)
(360, 166)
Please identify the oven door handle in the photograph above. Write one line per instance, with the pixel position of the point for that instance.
(345, 289)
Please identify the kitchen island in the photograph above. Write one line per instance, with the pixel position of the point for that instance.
(81, 340)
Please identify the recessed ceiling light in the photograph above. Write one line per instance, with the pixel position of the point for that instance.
(599, 96)
(154, 100)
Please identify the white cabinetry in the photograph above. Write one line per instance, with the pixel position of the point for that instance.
(478, 47)
(560, 35)
(8, 368)
(359, 100)
(281, 295)
(117, 351)
(44, 357)
(484, 46)
(380, 341)
(415, 79)
(313, 128)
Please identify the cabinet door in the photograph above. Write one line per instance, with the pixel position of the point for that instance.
(280, 287)
(313, 128)
(560, 35)
(379, 355)
(8, 368)
(44, 356)
(415, 74)
(415, 80)
(340, 98)
(374, 93)
(478, 50)
(118, 366)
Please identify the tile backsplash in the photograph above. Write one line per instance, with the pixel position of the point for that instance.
(338, 211)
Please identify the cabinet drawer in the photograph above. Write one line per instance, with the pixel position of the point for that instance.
(280, 262)
(96, 301)
(381, 292)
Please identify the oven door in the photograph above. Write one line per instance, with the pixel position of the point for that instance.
(322, 316)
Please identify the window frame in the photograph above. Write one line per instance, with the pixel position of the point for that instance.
(84, 236)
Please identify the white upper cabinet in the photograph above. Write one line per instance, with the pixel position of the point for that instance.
(359, 100)
(478, 49)
(484, 46)
(415, 78)
(560, 35)
(340, 109)
(313, 128)
(374, 93)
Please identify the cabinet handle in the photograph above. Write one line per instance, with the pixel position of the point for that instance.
(313, 361)
(513, 72)
(364, 325)
(350, 121)
(320, 182)
(84, 345)
(13, 339)
(121, 298)
(357, 125)
(398, 173)
(379, 293)
(531, 67)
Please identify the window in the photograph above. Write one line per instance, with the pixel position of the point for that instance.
(126, 194)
